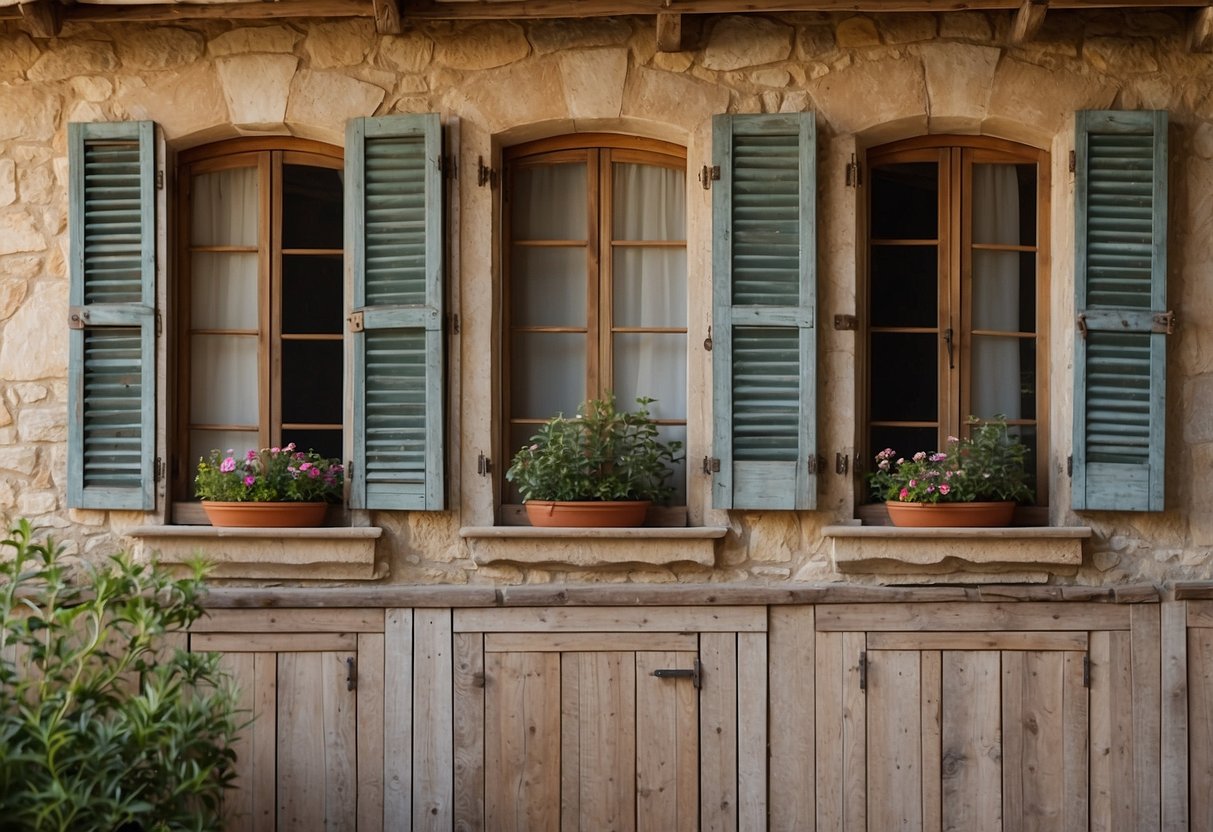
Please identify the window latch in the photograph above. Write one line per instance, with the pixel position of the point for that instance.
(947, 339)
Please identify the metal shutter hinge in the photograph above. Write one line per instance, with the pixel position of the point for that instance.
(160, 180)
(842, 463)
(1070, 466)
(816, 463)
(1082, 325)
(158, 470)
(709, 175)
(351, 674)
(1164, 322)
(1073, 161)
(1086, 670)
(854, 174)
(449, 166)
(452, 324)
(159, 324)
(77, 317)
(846, 322)
(484, 466)
(863, 670)
(485, 175)
(355, 320)
(711, 465)
(707, 342)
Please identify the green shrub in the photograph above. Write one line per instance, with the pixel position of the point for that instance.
(105, 725)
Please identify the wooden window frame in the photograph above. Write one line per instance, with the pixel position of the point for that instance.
(267, 156)
(598, 151)
(956, 155)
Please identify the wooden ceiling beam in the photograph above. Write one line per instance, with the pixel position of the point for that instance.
(669, 32)
(42, 17)
(104, 13)
(1028, 20)
(387, 17)
(1202, 30)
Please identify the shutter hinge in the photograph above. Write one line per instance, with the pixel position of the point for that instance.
(452, 324)
(77, 317)
(485, 175)
(1164, 322)
(1086, 670)
(816, 463)
(842, 463)
(846, 322)
(863, 670)
(160, 180)
(1082, 325)
(854, 174)
(159, 324)
(1073, 161)
(158, 469)
(709, 175)
(1070, 465)
(711, 465)
(351, 673)
(707, 342)
(484, 465)
(449, 166)
(355, 320)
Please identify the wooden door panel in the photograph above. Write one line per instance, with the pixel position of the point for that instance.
(250, 804)
(667, 752)
(600, 780)
(972, 741)
(895, 741)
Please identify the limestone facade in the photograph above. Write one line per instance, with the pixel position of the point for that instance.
(869, 79)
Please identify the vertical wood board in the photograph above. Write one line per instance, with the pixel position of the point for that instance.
(433, 741)
(791, 681)
(469, 731)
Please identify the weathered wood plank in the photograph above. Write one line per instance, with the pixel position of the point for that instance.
(290, 621)
(792, 682)
(978, 641)
(1058, 616)
(611, 619)
(1147, 715)
(608, 741)
(387, 17)
(1200, 613)
(895, 742)
(1174, 725)
(570, 741)
(1028, 19)
(370, 732)
(238, 801)
(718, 733)
(340, 760)
(301, 778)
(398, 720)
(667, 745)
(1075, 722)
(829, 673)
(469, 731)
(1112, 792)
(273, 642)
(587, 642)
(932, 740)
(522, 742)
(854, 736)
(1200, 713)
(972, 747)
(433, 740)
(1033, 759)
(752, 732)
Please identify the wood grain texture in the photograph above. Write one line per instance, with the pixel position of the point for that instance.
(398, 720)
(584, 642)
(370, 732)
(895, 742)
(1146, 682)
(791, 679)
(607, 782)
(718, 733)
(979, 641)
(752, 746)
(289, 621)
(611, 619)
(1112, 792)
(667, 745)
(1200, 716)
(1052, 616)
(932, 740)
(433, 724)
(469, 731)
(972, 743)
(829, 675)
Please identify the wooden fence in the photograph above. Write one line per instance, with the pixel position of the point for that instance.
(718, 708)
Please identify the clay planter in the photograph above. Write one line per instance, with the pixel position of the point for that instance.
(264, 515)
(597, 514)
(951, 515)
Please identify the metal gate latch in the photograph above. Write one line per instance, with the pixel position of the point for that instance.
(694, 673)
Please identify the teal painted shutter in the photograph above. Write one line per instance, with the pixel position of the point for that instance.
(112, 342)
(1120, 294)
(394, 212)
(764, 267)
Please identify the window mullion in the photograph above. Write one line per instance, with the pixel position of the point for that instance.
(598, 258)
(955, 230)
(270, 240)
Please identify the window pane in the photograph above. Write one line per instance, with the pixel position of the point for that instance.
(905, 286)
(223, 290)
(1003, 377)
(311, 381)
(649, 203)
(312, 200)
(678, 476)
(224, 386)
(653, 365)
(905, 377)
(650, 287)
(1004, 291)
(224, 209)
(202, 442)
(904, 441)
(547, 286)
(549, 374)
(905, 201)
(1004, 204)
(549, 202)
(327, 443)
(311, 294)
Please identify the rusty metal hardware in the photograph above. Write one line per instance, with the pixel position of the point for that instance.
(694, 673)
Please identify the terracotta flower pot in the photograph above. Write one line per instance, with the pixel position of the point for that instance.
(951, 514)
(264, 515)
(613, 514)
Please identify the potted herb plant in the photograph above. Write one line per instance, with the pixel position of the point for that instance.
(975, 481)
(270, 487)
(602, 467)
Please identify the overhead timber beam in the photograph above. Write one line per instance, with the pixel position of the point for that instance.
(669, 32)
(1028, 20)
(387, 17)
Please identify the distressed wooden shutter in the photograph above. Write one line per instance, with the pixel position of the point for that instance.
(112, 342)
(764, 261)
(1120, 295)
(394, 212)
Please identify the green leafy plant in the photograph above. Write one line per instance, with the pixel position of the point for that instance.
(270, 475)
(987, 465)
(103, 724)
(600, 454)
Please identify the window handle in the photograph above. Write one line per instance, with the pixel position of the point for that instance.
(947, 339)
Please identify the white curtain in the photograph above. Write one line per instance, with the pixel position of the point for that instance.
(224, 385)
(996, 368)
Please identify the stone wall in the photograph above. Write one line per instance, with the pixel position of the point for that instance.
(869, 79)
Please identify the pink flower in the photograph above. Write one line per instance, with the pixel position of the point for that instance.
(313, 472)
(228, 465)
(913, 483)
(251, 455)
(305, 466)
(904, 493)
(944, 488)
(274, 450)
(249, 480)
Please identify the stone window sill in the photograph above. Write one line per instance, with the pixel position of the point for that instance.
(652, 546)
(915, 555)
(327, 553)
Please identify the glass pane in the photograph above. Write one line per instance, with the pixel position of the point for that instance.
(224, 208)
(547, 286)
(223, 290)
(1004, 291)
(648, 203)
(905, 286)
(1027, 435)
(1004, 204)
(549, 374)
(905, 201)
(224, 388)
(653, 365)
(678, 475)
(202, 442)
(327, 443)
(311, 294)
(650, 287)
(904, 441)
(549, 202)
(311, 381)
(1003, 377)
(312, 200)
(904, 377)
